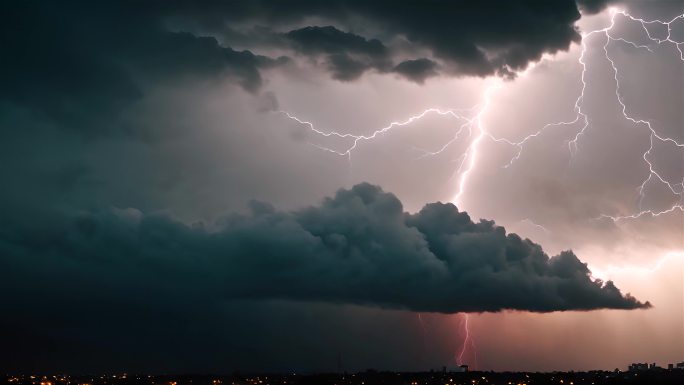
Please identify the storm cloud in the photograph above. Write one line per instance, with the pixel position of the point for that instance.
(348, 55)
(81, 64)
(162, 108)
(417, 70)
(469, 38)
(358, 247)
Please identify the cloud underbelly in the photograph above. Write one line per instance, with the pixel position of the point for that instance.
(358, 247)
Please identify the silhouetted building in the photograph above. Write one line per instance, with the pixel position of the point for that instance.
(371, 377)
(645, 366)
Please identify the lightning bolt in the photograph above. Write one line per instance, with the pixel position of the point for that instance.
(356, 139)
(472, 150)
(471, 121)
(678, 188)
(474, 124)
(537, 225)
(467, 343)
(424, 332)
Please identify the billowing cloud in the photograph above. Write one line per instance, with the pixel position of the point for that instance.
(469, 38)
(348, 55)
(78, 62)
(358, 247)
(417, 70)
(331, 40)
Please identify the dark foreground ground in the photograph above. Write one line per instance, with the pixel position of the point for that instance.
(664, 377)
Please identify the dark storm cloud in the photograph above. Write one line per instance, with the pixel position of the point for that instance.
(356, 248)
(417, 70)
(348, 55)
(346, 68)
(471, 38)
(80, 63)
(331, 40)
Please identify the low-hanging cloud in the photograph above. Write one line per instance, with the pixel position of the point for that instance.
(358, 247)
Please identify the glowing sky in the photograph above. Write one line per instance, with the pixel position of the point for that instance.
(119, 140)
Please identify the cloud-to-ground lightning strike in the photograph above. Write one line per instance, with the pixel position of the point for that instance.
(424, 332)
(473, 123)
(467, 342)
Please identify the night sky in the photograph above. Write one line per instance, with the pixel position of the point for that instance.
(298, 186)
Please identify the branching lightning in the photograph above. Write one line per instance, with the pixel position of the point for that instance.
(678, 188)
(472, 122)
(356, 139)
(537, 225)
